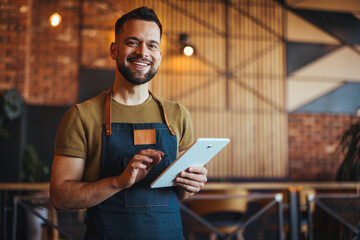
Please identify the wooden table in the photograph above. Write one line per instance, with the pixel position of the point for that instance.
(282, 185)
(24, 186)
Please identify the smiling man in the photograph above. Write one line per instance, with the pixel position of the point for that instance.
(110, 148)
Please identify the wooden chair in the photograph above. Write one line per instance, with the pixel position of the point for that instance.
(224, 213)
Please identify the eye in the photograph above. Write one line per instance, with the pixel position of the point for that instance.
(153, 46)
(131, 43)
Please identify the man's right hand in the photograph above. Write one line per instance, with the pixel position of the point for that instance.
(139, 166)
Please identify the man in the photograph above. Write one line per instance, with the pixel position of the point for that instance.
(110, 148)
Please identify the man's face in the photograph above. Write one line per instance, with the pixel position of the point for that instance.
(137, 51)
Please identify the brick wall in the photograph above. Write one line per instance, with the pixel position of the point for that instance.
(43, 62)
(54, 60)
(313, 141)
(13, 35)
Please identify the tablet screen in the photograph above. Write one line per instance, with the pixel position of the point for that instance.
(199, 153)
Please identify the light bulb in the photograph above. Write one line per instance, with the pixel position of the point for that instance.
(188, 51)
(55, 19)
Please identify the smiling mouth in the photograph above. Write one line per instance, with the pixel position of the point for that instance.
(141, 63)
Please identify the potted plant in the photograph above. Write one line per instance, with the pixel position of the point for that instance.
(11, 106)
(33, 170)
(350, 148)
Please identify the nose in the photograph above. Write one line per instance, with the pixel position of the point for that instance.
(142, 50)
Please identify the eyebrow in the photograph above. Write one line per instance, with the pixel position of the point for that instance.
(137, 39)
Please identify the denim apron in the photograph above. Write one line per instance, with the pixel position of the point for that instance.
(138, 212)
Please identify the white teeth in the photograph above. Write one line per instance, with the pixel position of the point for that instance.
(140, 63)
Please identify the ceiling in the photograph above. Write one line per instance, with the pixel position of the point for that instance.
(323, 55)
(352, 6)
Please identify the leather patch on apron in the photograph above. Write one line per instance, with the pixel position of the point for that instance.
(144, 136)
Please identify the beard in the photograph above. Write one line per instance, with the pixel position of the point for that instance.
(136, 77)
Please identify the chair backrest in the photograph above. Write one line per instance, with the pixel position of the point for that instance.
(304, 193)
(236, 202)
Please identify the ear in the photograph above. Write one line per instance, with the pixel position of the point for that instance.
(113, 50)
(161, 54)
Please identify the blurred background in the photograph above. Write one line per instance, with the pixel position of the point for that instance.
(280, 78)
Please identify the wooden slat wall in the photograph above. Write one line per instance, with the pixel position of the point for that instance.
(234, 86)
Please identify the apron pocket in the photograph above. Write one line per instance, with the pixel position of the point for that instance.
(142, 195)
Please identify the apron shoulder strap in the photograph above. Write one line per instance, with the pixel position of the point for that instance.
(163, 109)
(108, 112)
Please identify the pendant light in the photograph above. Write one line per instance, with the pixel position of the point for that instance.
(186, 47)
(55, 19)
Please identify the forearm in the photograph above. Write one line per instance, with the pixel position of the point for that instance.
(74, 194)
(67, 191)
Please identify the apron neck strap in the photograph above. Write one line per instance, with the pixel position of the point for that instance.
(108, 112)
(108, 100)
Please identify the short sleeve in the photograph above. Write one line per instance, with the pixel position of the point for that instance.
(187, 133)
(70, 138)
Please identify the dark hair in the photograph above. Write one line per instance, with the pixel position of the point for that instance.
(142, 13)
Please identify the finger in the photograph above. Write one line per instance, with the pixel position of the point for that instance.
(189, 188)
(153, 163)
(197, 177)
(142, 158)
(189, 182)
(147, 161)
(138, 165)
(197, 169)
(151, 153)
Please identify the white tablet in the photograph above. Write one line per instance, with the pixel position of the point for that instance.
(199, 153)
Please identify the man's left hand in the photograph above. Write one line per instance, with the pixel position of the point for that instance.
(192, 179)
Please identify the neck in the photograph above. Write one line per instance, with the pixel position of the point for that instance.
(127, 93)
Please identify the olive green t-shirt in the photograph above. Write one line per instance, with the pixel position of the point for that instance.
(80, 131)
